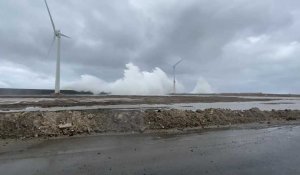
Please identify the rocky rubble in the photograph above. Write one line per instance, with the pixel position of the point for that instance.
(168, 119)
(50, 124)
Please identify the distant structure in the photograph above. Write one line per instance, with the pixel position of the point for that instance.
(174, 75)
(12, 91)
(57, 35)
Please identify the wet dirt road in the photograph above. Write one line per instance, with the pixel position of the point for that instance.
(241, 151)
(30, 104)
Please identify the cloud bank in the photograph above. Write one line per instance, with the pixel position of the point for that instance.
(237, 45)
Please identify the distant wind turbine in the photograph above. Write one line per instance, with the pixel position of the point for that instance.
(174, 74)
(57, 35)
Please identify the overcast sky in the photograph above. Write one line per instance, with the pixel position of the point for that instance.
(227, 45)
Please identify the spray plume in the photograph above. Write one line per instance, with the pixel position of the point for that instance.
(134, 82)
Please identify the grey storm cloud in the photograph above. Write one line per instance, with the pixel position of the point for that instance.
(232, 45)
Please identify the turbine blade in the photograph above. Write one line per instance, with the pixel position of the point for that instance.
(51, 46)
(178, 63)
(50, 17)
(64, 35)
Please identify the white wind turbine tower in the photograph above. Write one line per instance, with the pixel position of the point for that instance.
(174, 74)
(57, 35)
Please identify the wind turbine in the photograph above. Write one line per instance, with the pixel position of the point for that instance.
(174, 74)
(57, 35)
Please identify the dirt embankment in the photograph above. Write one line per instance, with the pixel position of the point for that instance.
(168, 119)
(50, 124)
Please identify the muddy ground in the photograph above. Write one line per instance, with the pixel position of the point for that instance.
(69, 123)
(67, 101)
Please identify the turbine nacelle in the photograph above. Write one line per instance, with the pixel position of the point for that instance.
(57, 33)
